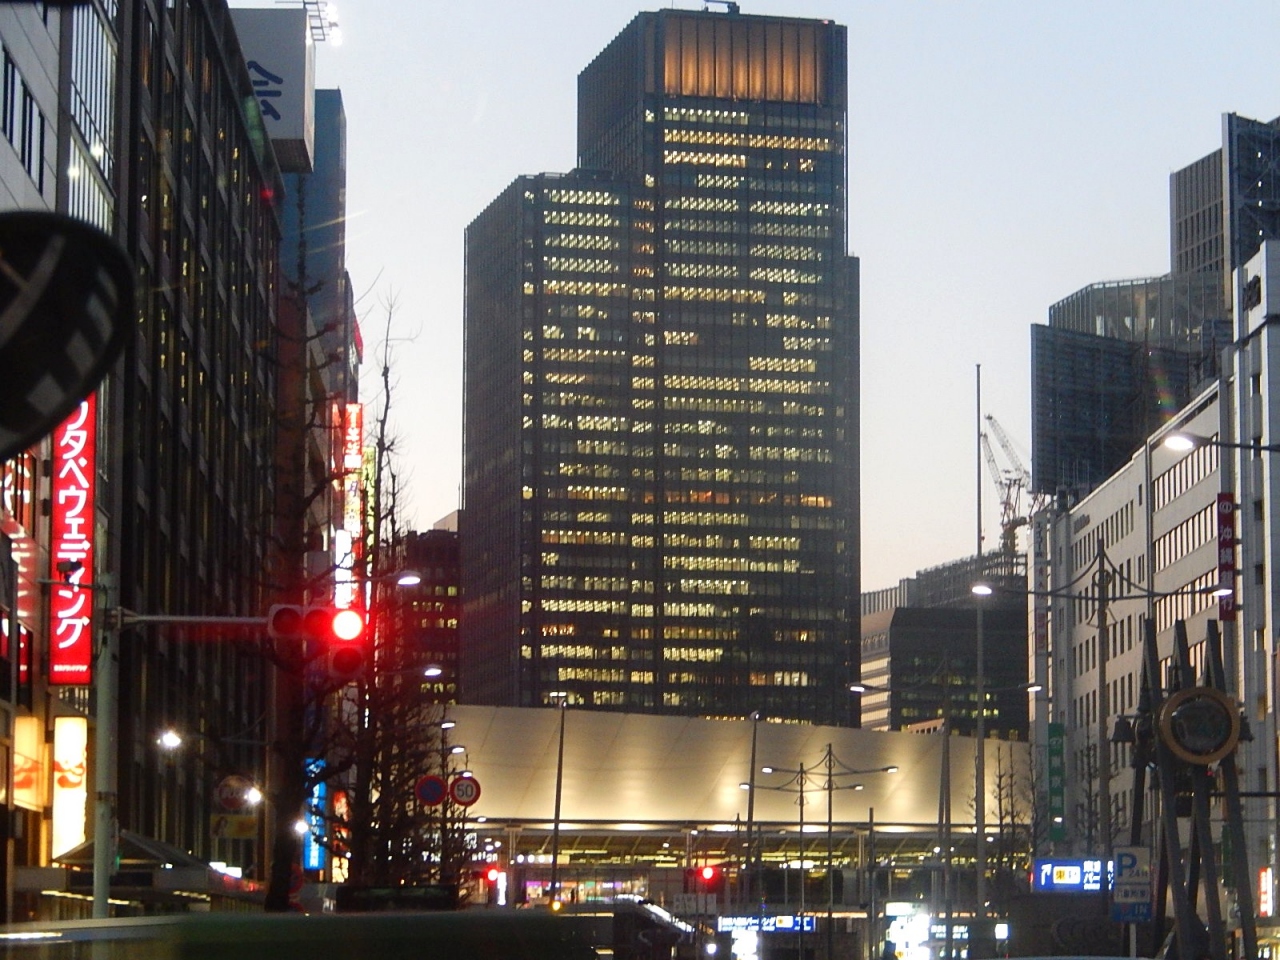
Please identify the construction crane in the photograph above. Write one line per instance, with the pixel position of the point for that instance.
(1011, 482)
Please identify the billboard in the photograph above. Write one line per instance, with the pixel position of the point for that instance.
(280, 55)
(71, 549)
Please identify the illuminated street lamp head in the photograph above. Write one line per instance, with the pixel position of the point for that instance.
(857, 688)
(981, 590)
(766, 769)
(1182, 442)
(253, 796)
(170, 740)
(408, 578)
(458, 749)
(433, 670)
(891, 769)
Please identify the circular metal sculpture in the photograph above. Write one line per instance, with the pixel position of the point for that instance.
(1201, 725)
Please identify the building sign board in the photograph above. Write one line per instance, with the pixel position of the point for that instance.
(1057, 782)
(1069, 876)
(71, 549)
(1227, 555)
(280, 56)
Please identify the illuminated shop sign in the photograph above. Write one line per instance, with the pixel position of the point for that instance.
(71, 550)
(70, 789)
(1070, 876)
(767, 924)
(348, 543)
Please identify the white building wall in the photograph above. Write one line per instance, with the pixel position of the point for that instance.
(1156, 524)
(29, 39)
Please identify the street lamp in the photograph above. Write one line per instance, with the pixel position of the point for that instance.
(554, 891)
(799, 778)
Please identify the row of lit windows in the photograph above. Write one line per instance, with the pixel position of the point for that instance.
(580, 218)
(555, 421)
(719, 181)
(792, 321)
(705, 518)
(584, 241)
(789, 454)
(579, 651)
(703, 271)
(585, 537)
(565, 399)
(1198, 529)
(713, 294)
(788, 230)
(774, 543)
(616, 607)
(712, 204)
(778, 251)
(701, 115)
(748, 384)
(785, 275)
(768, 141)
(603, 584)
(709, 247)
(782, 365)
(710, 541)
(598, 471)
(737, 160)
(553, 331)
(820, 344)
(581, 265)
(714, 405)
(579, 355)
(791, 208)
(598, 197)
(582, 288)
(731, 565)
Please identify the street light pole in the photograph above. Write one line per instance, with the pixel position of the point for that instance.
(555, 827)
(980, 765)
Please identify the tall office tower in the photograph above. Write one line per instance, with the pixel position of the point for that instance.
(661, 399)
(1118, 359)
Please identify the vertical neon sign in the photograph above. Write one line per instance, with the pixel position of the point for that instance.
(349, 544)
(70, 605)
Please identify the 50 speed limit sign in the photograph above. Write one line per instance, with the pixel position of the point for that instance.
(464, 791)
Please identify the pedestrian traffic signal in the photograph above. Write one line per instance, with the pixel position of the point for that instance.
(708, 878)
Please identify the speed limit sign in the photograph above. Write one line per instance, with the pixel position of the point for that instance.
(464, 791)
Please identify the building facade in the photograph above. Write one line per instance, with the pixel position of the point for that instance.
(1118, 359)
(661, 398)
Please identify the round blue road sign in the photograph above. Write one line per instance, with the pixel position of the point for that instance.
(430, 790)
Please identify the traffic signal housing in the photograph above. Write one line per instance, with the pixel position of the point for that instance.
(337, 632)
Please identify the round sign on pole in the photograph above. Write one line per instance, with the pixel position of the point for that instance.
(430, 790)
(464, 790)
(232, 793)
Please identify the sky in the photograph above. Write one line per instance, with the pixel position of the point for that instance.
(1002, 155)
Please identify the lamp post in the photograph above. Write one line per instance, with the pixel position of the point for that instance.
(554, 891)
(796, 782)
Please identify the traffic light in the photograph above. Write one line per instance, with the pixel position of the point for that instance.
(338, 632)
(708, 878)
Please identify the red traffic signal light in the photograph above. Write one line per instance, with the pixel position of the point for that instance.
(337, 631)
(492, 874)
(708, 874)
(324, 624)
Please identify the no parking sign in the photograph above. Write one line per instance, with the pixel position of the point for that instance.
(430, 790)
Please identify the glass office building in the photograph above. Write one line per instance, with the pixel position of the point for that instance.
(661, 398)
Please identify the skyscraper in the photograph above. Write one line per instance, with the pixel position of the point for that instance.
(661, 400)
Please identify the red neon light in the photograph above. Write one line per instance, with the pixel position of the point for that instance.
(71, 606)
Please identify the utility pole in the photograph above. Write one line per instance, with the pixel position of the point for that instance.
(1102, 581)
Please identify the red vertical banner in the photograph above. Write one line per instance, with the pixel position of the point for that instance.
(1227, 555)
(71, 549)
